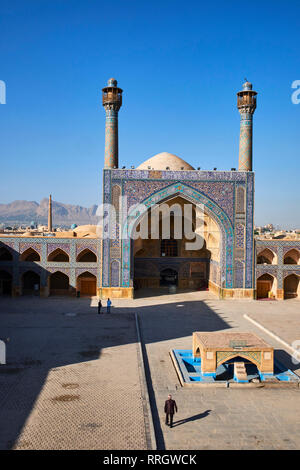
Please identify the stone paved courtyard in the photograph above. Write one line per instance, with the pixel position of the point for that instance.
(218, 418)
(73, 381)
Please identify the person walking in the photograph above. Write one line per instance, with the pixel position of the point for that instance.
(99, 306)
(108, 305)
(170, 409)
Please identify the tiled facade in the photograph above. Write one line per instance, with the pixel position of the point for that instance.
(111, 137)
(279, 270)
(44, 268)
(44, 246)
(226, 196)
(245, 149)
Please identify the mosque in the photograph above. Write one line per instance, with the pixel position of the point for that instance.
(230, 263)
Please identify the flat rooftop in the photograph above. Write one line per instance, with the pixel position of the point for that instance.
(229, 341)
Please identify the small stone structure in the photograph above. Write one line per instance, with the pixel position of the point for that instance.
(216, 348)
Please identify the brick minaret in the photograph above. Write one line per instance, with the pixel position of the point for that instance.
(246, 103)
(50, 215)
(112, 102)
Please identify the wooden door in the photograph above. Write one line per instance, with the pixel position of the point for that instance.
(88, 287)
(263, 287)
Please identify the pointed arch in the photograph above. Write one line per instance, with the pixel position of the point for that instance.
(115, 273)
(86, 256)
(266, 285)
(30, 255)
(59, 255)
(292, 257)
(195, 197)
(266, 256)
(253, 357)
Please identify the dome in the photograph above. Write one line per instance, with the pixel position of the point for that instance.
(163, 161)
(86, 231)
(27, 234)
(86, 228)
(112, 82)
(247, 86)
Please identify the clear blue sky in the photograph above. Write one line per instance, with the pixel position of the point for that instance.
(180, 65)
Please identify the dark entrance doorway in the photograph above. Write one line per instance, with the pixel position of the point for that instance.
(5, 283)
(168, 277)
(226, 370)
(59, 284)
(291, 286)
(30, 283)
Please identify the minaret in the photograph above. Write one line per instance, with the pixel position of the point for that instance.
(112, 102)
(246, 103)
(50, 215)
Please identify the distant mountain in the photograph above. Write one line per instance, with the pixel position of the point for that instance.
(23, 212)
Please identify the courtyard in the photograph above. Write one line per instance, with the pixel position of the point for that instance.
(73, 379)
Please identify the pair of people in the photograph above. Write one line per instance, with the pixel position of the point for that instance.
(108, 305)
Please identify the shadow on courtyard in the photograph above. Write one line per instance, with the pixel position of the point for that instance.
(285, 360)
(42, 337)
(191, 418)
(162, 291)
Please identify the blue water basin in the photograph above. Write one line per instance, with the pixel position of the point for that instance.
(191, 370)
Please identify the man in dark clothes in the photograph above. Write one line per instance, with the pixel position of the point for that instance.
(170, 408)
(99, 306)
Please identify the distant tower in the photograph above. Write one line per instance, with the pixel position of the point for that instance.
(246, 103)
(50, 215)
(112, 102)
